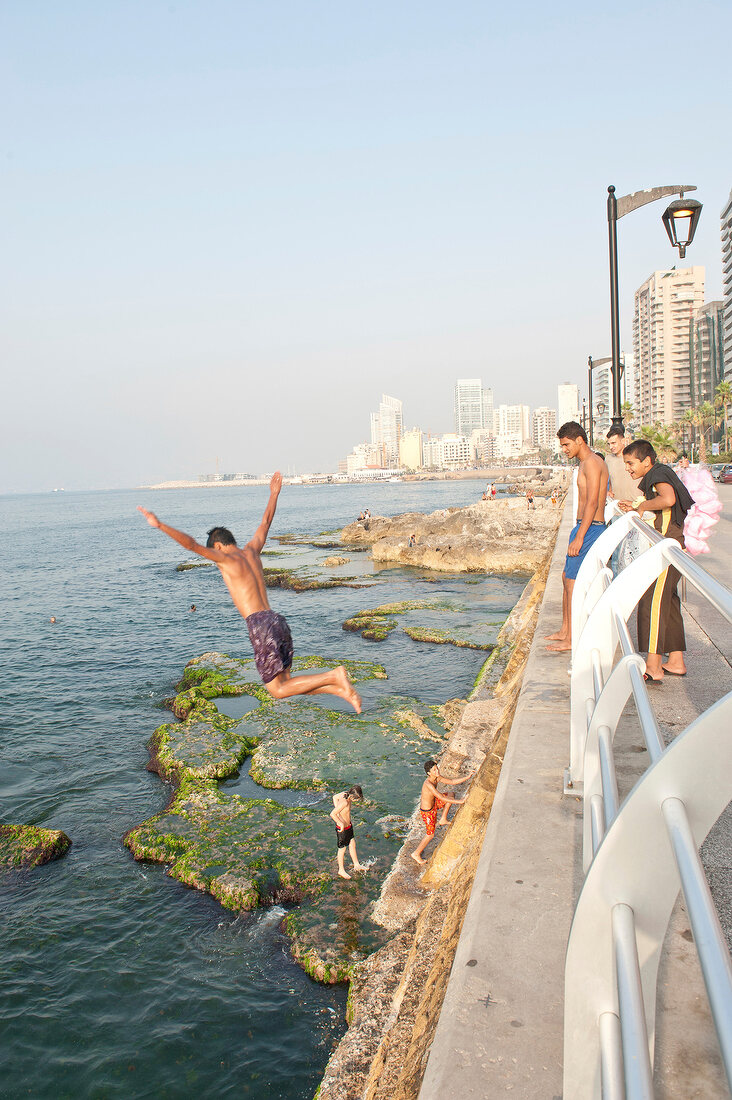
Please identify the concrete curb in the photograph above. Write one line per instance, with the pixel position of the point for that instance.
(501, 1025)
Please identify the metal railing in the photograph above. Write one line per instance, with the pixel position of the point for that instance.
(636, 854)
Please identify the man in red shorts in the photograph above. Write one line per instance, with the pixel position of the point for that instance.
(269, 633)
(431, 801)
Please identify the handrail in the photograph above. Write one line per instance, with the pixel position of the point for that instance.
(639, 852)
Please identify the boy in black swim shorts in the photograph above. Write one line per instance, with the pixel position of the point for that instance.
(341, 814)
(243, 575)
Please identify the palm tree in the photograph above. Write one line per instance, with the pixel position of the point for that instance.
(723, 400)
(702, 417)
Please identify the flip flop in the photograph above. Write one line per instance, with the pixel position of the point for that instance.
(670, 672)
(651, 679)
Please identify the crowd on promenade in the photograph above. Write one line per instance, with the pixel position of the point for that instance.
(681, 503)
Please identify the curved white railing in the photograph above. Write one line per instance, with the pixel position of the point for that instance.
(638, 854)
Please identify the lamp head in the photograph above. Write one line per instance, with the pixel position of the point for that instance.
(681, 218)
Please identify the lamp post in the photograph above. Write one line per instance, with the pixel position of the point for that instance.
(680, 219)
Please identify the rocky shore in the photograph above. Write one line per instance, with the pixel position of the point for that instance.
(396, 994)
(499, 536)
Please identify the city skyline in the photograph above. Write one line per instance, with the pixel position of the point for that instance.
(230, 227)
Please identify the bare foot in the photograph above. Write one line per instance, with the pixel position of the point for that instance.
(347, 690)
(359, 867)
(418, 859)
(676, 670)
(444, 822)
(560, 647)
(344, 874)
(559, 636)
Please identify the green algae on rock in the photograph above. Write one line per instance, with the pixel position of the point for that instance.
(184, 566)
(299, 581)
(444, 637)
(251, 852)
(23, 846)
(375, 623)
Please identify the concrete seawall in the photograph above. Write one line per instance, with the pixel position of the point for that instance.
(501, 1023)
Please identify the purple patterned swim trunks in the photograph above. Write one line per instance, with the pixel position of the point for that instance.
(272, 643)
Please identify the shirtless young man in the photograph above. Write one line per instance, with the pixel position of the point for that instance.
(591, 493)
(341, 814)
(270, 635)
(431, 801)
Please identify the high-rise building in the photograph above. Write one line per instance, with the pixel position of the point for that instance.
(602, 399)
(473, 406)
(567, 403)
(468, 405)
(706, 352)
(630, 385)
(544, 428)
(664, 306)
(410, 450)
(727, 285)
(386, 428)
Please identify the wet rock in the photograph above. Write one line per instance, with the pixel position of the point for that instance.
(489, 537)
(250, 852)
(335, 560)
(23, 846)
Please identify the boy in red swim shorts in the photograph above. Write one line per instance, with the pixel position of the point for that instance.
(241, 569)
(431, 801)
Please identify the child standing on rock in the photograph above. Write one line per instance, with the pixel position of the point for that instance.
(431, 801)
(341, 814)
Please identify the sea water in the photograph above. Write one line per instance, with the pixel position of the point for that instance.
(117, 980)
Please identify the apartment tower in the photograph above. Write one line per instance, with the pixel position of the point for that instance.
(727, 285)
(664, 307)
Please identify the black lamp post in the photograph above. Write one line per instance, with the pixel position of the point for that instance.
(680, 220)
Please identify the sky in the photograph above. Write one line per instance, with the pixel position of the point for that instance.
(229, 227)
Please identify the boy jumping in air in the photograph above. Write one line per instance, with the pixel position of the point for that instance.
(270, 635)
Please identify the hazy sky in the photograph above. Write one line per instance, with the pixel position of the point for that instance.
(230, 226)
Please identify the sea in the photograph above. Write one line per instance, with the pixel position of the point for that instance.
(117, 981)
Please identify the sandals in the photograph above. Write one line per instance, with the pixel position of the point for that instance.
(651, 679)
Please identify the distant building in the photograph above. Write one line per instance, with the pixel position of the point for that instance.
(410, 450)
(365, 456)
(482, 444)
(567, 403)
(432, 453)
(706, 352)
(473, 406)
(511, 425)
(455, 452)
(544, 428)
(727, 285)
(468, 405)
(664, 307)
(386, 428)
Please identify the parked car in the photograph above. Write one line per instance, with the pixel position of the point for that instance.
(725, 478)
(716, 469)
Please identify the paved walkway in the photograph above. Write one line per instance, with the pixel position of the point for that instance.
(501, 1025)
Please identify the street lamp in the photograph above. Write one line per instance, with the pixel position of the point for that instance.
(681, 217)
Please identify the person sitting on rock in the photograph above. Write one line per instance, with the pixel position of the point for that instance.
(270, 635)
(341, 814)
(431, 801)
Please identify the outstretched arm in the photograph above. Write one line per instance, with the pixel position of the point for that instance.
(185, 540)
(443, 797)
(260, 535)
(455, 782)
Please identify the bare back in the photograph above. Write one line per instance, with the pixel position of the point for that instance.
(244, 577)
(592, 478)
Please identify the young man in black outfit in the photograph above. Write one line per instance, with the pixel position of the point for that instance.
(660, 625)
